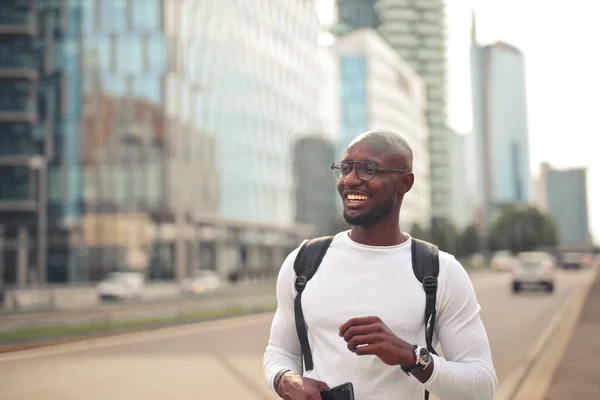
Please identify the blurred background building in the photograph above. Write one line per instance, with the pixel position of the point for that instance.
(316, 191)
(463, 175)
(140, 135)
(500, 125)
(563, 194)
(380, 91)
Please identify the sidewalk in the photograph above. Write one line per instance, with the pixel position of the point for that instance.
(578, 375)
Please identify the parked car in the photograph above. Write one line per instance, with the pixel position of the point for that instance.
(202, 281)
(121, 286)
(502, 260)
(533, 269)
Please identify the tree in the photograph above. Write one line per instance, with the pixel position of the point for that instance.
(522, 228)
(468, 241)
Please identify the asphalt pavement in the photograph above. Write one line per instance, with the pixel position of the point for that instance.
(223, 359)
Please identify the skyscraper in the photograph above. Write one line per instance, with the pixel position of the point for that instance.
(563, 195)
(415, 29)
(500, 124)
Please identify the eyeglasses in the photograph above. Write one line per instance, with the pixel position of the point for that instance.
(365, 170)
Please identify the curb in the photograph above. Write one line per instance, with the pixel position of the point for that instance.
(531, 380)
(539, 378)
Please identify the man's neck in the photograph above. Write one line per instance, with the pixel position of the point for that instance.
(378, 235)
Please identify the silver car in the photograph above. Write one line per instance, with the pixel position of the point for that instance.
(533, 269)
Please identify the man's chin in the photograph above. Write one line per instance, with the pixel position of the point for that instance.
(363, 220)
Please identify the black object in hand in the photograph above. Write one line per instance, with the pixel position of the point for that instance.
(344, 391)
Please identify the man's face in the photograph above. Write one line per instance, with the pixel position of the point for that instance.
(366, 203)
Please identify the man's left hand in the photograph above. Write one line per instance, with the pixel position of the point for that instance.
(369, 335)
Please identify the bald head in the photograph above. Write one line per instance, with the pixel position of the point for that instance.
(387, 143)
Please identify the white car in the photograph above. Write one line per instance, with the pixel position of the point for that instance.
(533, 269)
(202, 281)
(121, 286)
(502, 260)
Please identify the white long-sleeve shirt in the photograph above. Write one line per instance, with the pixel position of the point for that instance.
(356, 280)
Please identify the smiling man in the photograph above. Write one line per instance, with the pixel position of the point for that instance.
(363, 308)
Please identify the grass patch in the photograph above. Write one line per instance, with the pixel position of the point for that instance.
(62, 331)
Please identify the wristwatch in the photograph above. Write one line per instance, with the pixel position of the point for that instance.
(422, 357)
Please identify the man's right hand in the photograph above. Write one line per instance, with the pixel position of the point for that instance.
(294, 387)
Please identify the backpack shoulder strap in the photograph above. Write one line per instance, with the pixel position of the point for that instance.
(307, 262)
(426, 266)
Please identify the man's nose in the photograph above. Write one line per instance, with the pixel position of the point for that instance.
(352, 178)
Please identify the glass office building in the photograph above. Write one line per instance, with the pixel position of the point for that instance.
(40, 165)
(259, 85)
(142, 135)
(500, 124)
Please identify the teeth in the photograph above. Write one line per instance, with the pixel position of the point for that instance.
(357, 197)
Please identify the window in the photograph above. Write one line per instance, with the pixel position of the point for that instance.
(17, 51)
(153, 185)
(150, 88)
(113, 15)
(18, 139)
(97, 52)
(115, 85)
(146, 14)
(16, 95)
(155, 54)
(15, 183)
(129, 54)
(55, 184)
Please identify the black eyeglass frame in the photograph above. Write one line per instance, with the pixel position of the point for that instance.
(337, 165)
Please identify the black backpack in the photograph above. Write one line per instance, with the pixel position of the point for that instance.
(426, 266)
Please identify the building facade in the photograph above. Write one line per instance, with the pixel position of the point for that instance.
(464, 194)
(381, 91)
(40, 165)
(150, 138)
(564, 197)
(500, 125)
(316, 190)
(356, 14)
(257, 85)
(415, 29)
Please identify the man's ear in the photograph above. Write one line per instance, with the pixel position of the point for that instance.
(406, 182)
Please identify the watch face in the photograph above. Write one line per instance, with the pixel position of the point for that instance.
(424, 355)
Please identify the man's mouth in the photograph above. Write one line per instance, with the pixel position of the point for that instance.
(355, 198)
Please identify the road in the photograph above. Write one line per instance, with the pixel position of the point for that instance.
(223, 359)
(244, 294)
